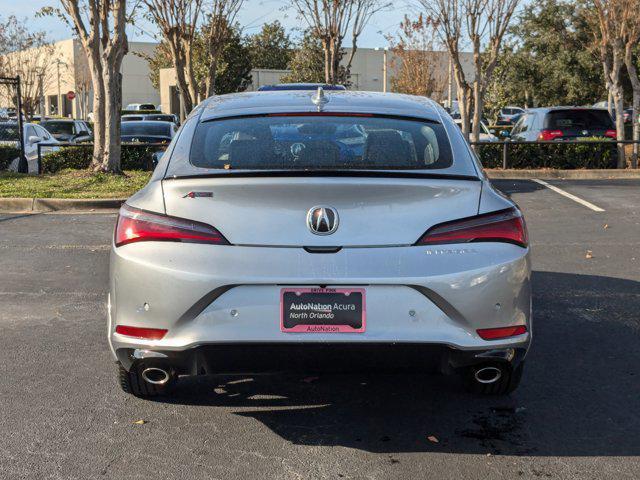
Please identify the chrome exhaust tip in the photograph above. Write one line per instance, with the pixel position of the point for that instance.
(155, 375)
(487, 375)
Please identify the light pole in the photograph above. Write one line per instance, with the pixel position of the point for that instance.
(384, 67)
(59, 112)
(41, 90)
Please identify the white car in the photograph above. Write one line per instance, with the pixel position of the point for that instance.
(33, 135)
(140, 106)
(486, 135)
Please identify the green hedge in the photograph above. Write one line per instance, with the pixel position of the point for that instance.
(7, 155)
(550, 155)
(133, 157)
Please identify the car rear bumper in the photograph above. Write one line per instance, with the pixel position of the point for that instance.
(260, 358)
(205, 296)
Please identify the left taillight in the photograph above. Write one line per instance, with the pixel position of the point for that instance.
(503, 226)
(135, 225)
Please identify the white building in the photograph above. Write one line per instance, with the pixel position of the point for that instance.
(367, 73)
(68, 72)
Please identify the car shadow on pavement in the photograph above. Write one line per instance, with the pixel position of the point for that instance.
(580, 395)
(509, 187)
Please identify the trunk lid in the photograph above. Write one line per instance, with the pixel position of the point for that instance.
(272, 210)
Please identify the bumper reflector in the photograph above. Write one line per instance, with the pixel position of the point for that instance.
(502, 332)
(146, 333)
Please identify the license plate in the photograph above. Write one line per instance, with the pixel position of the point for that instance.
(322, 310)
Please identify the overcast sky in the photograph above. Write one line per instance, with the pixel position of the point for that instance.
(253, 15)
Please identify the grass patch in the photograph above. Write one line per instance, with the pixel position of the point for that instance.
(72, 184)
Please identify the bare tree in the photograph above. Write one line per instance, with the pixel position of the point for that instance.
(218, 30)
(482, 25)
(331, 21)
(100, 27)
(177, 21)
(29, 55)
(447, 16)
(610, 31)
(418, 67)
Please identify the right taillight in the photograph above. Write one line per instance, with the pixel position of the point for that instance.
(135, 225)
(547, 135)
(503, 226)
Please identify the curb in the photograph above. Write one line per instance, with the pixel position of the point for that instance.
(549, 174)
(58, 204)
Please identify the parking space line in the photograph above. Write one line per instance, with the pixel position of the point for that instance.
(579, 200)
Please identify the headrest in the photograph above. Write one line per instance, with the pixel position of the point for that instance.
(387, 148)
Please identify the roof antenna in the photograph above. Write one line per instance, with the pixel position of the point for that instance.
(320, 100)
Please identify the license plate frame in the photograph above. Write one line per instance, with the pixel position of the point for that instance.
(325, 324)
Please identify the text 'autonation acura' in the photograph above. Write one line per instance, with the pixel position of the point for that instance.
(314, 232)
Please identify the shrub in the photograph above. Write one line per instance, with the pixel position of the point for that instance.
(133, 157)
(8, 154)
(551, 155)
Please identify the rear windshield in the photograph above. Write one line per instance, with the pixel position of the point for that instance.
(58, 127)
(161, 118)
(583, 119)
(320, 142)
(145, 128)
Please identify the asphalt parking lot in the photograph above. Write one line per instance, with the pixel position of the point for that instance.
(576, 414)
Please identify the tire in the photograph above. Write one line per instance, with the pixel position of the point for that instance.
(132, 382)
(506, 384)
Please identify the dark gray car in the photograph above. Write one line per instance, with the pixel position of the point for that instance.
(563, 123)
(68, 130)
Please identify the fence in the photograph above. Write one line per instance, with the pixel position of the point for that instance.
(569, 154)
(143, 161)
(16, 99)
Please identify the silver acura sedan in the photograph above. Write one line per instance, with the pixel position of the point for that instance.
(317, 232)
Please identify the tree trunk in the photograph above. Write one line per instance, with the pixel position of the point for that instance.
(211, 76)
(113, 95)
(464, 107)
(97, 81)
(635, 85)
(179, 65)
(635, 118)
(478, 105)
(619, 99)
(190, 76)
(327, 61)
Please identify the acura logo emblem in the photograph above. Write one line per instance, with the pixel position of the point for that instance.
(322, 220)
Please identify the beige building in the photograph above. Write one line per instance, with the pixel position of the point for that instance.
(67, 72)
(367, 73)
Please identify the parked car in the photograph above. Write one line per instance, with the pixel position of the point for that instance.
(140, 106)
(299, 86)
(486, 135)
(68, 130)
(33, 135)
(145, 131)
(160, 117)
(507, 115)
(279, 235)
(563, 123)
